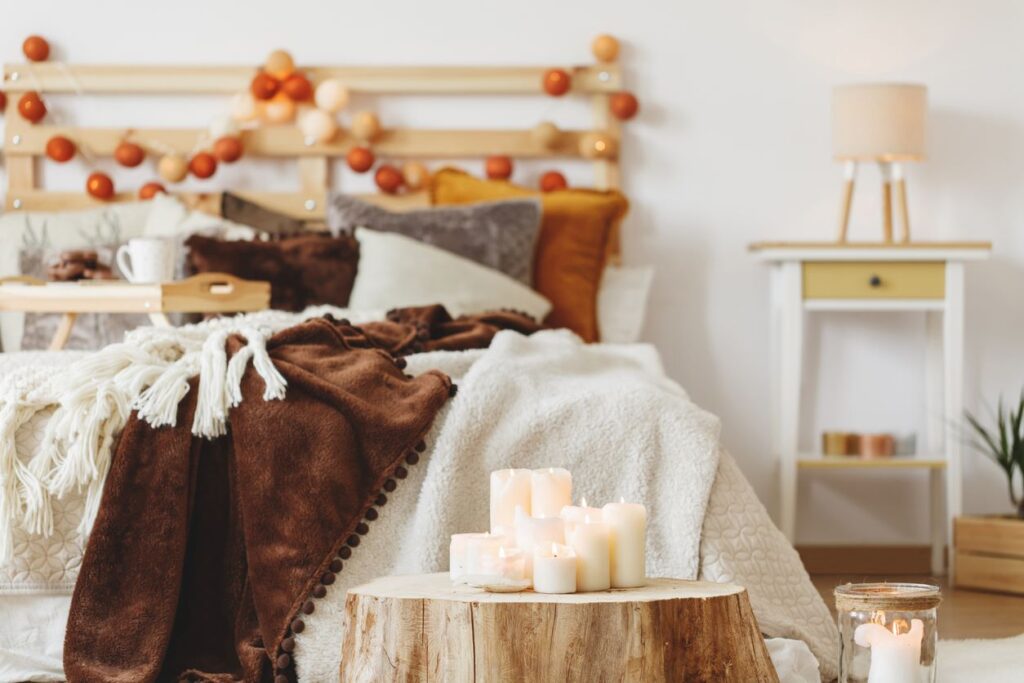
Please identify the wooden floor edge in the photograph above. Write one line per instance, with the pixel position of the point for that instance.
(866, 559)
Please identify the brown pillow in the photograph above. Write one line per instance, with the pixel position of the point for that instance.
(302, 270)
(261, 219)
(577, 229)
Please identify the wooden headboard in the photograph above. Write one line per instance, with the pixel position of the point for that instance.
(25, 143)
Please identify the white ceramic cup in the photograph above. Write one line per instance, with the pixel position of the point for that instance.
(146, 259)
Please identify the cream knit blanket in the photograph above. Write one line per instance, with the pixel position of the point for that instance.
(92, 399)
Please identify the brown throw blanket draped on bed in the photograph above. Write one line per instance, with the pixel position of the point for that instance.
(205, 554)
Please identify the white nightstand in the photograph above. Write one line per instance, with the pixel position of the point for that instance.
(926, 277)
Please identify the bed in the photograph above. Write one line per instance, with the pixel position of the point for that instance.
(718, 531)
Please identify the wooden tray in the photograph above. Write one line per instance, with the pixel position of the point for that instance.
(204, 293)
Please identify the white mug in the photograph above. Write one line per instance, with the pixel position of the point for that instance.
(146, 259)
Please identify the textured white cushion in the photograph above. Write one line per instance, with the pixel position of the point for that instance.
(395, 270)
(622, 303)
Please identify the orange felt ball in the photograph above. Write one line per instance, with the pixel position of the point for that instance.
(360, 159)
(31, 107)
(3, 101)
(298, 88)
(36, 48)
(264, 86)
(129, 154)
(415, 175)
(605, 48)
(151, 189)
(498, 168)
(203, 165)
(279, 63)
(557, 82)
(100, 186)
(623, 105)
(60, 149)
(551, 181)
(388, 179)
(228, 149)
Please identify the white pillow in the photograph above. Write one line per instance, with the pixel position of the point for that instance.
(622, 303)
(395, 270)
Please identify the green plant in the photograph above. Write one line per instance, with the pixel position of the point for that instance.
(1004, 444)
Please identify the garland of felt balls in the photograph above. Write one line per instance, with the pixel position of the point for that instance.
(280, 94)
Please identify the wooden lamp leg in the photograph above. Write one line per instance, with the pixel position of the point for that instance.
(901, 202)
(63, 333)
(849, 176)
(886, 169)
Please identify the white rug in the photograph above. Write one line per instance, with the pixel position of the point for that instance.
(981, 661)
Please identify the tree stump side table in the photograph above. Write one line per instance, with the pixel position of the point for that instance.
(422, 628)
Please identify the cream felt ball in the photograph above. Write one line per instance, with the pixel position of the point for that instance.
(331, 96)
(318, 125)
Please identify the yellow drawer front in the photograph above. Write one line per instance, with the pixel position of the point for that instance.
(875, 280)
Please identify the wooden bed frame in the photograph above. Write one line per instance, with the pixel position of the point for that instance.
(25, 143)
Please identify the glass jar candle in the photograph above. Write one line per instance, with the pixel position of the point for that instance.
(887, 632)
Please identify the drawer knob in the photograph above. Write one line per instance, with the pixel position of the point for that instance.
(875, 281)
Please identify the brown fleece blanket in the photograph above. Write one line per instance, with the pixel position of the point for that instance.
(205, 554)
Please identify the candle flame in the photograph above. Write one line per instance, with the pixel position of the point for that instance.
(622, 499)
(551, 470)
(501, 552)
(583, 502)
(878, 617)
(554, 550)
(900, 626)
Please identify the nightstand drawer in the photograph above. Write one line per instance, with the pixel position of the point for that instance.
(874, 279)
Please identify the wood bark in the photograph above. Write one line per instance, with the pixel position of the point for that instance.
(422, 628)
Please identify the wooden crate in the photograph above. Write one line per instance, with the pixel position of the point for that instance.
(989, 553)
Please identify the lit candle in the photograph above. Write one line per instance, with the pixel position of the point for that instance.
(509, 488)
(574, 514)
(896, 653)
(589, 540)
(479, 548)
(627, 530)
(534, 532)
(457, 554)
(554, 569)
(551, 490)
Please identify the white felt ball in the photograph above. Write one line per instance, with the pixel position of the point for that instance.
(316, 124)
(331, 96)
(243, 107)
(223, 126)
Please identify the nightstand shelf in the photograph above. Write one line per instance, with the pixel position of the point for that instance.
(808, 277)
(843, 462)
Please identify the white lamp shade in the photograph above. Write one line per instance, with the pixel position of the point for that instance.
(879, 122)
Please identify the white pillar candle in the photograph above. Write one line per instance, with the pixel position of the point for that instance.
(895, 656)
(551, 490)
(574, 514)
(481, 547)
(509, 488)
(534, 532)
(589, 540)
(554, 569)
(457, 554)
(627, 531)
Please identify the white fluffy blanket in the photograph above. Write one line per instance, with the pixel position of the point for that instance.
(608, 414)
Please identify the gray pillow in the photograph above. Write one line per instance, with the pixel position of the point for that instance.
(500, 235)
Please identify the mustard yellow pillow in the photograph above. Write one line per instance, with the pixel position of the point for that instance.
(577, 229)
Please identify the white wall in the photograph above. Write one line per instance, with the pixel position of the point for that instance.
(732, 147)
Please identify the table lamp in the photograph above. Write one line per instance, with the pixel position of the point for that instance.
(884, 123)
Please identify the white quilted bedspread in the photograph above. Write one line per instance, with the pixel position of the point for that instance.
(43, 564)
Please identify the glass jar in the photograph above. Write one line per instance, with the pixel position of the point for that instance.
(887, 632)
